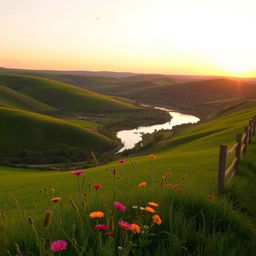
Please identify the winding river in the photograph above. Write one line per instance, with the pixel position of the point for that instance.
(130, 137)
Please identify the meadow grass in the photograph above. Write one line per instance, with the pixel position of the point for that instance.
(192, 224)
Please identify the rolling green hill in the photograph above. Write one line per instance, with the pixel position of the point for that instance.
(12, 98)
(61, 96)
(23, 130)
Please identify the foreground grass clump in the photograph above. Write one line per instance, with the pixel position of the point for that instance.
(158, 219)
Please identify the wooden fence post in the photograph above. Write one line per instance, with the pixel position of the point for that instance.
(238, 148)
(246, 138)
(222, 169)
(253, 125)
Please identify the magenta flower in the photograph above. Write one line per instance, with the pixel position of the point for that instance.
(121, 161)
(109, 234)
(120, 207)
(77, 172)
(124, 225)
(59, 245)
(100, 227)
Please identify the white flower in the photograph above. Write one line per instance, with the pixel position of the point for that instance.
(135, 207)
(142, 208)
(120, 248)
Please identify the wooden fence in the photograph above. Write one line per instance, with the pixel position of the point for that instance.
(238, 149)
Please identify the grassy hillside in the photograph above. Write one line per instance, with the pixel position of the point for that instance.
(61, 96)
(21, 131)
(12, 98)
(192, 224)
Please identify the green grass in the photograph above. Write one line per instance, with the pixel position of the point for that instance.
(192, 224)
(14, 99)
(62, 96)
(23, 130)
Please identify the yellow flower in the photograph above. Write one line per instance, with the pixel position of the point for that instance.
(156, 219)
(142, 184)
(149, 209)
(153, 204)
(135, 228)
(96, 215)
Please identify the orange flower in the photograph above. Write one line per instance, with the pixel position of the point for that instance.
(149, 209)
(156, 219)
(153, 204)
(142, 184)
(135, 228)
(175, 186)
(96, 215)
(97, 186)
(152, 156)
(210, 196)
(55, 199)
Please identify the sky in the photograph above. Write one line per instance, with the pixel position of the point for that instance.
(198, 37)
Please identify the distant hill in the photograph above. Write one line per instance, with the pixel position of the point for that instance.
(196, 92)
(22, 130)
(58, 95)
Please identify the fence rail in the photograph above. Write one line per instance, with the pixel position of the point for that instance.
(238, 149)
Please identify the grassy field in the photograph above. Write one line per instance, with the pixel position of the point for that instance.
(193, 224)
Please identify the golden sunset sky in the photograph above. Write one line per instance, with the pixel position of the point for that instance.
(208, 37)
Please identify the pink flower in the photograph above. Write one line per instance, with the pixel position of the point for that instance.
(121, 161)
(59, 245)
(120, 207)
(124, 225)
(100, 227)
(77, 172)
(109, 234)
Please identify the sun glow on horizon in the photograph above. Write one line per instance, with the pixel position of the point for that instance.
(145, 36)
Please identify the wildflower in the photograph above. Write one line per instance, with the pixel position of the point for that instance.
(142, 184)
(153, 204)
(122, 161)
(149, 209)
(109, 234)
(124, 225)
(152, 156)
(135, 207)
(53, 190)
(55, 199)
(156, 219)
(135, 228)
(142, 208)
(175, 186)
(97, 186)
(120, 248)
(77, 172)
(96, 215)
(100, 227)
(120, 207)
(210, 196)
(59, 245)
(146, 227)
